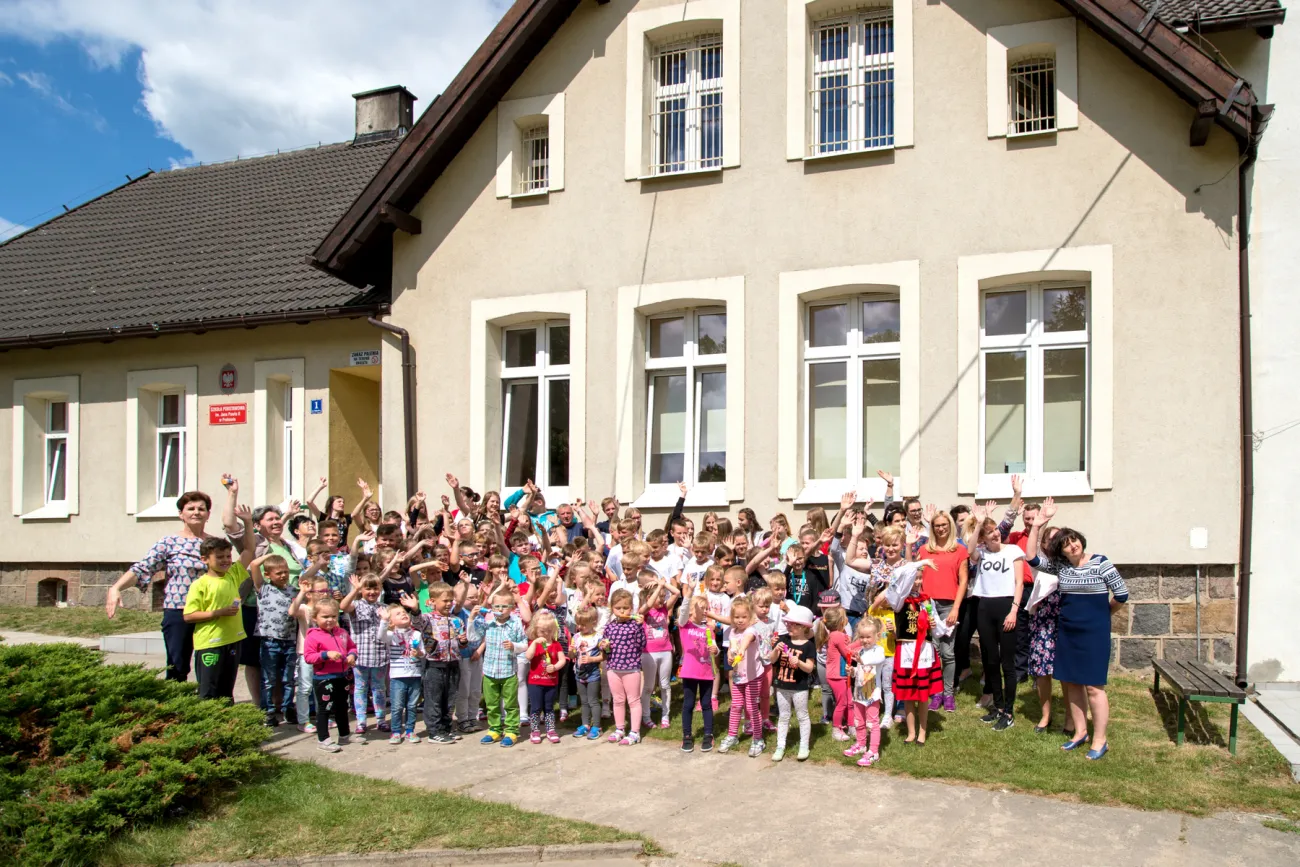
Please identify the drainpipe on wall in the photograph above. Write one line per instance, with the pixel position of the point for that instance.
(408, 401)
(1259, 120)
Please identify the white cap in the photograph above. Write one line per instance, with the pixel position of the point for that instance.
(799, 614)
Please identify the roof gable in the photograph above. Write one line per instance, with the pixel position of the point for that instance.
(1216, 93)
(1208, 16)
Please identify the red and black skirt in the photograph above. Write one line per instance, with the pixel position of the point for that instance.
(919, 682)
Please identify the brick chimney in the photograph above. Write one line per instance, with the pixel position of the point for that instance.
(383, 113)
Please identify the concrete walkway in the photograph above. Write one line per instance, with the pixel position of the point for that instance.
(731, 808)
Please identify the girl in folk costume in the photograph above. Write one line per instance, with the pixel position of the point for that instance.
(918, 673)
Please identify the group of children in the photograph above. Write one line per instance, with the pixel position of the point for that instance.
(480, 613)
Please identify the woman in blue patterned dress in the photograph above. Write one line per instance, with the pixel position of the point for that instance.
(1091, 590)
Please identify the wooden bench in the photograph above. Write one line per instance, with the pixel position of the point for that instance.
(1195, 681)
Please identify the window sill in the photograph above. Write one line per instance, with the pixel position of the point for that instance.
(162, 509)
(709, 495)
(49, 512)
(837, 155)
(689, 173)
(1035, 134)
(998, 487)
(821, 492)
(533, 194)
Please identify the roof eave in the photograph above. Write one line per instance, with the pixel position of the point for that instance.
(1260, 20)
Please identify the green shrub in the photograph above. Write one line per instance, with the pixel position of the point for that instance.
(87, 749)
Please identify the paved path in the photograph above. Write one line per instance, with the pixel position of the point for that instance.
(718, 808)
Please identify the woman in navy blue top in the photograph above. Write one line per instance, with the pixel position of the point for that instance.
(1091, 590)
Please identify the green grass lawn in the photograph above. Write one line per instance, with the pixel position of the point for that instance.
(78, 622)
(296, 809)
(1143, 769)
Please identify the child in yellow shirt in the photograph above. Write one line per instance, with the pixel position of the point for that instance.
(213, 605)
(887, 640)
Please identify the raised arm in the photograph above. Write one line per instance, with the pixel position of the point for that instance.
(359, 513)
(228, 521)
(245, 517)
(677, 507)
(461, 503)
(311, 501)
(1045, 514)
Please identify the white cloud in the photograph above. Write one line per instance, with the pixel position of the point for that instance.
(44, 88)
(8, 229)
(250, 76)
(4, 79)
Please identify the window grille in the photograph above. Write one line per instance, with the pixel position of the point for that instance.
(851, 101)
(1032, 96)
(535, 165)
(686, 113)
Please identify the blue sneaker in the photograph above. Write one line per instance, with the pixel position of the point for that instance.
(508, 741)
(490, 738)
(581, 732)
(593, 734)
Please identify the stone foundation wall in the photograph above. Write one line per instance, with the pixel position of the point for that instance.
(87, 584)
(1159, 621)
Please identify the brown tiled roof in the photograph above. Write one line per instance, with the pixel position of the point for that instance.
(1219, 14)
(191, 246)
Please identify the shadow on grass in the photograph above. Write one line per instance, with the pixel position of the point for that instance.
(1198, 727)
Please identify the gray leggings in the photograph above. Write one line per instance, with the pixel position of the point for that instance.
(589, 698)
(947, 647)
(798, 699)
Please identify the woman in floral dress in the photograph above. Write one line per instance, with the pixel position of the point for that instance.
(1042, 643)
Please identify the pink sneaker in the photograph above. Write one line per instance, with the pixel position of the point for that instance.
(615, 736)
(663, 723)
(868, 759)
(535, 737)
(553, 737)
(768, 727)
(855, 750)
(950, 703)
(361, 728)
(936, 702)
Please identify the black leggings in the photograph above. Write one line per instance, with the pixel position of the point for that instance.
(999, 650)
(331, 700)
(692, 687)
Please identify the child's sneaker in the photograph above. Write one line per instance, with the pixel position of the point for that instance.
(887, 723)
(581, 732)
(756, 749)
(384, 726)
(412, 738)
(855, 750)
(631, 740)
(868, 759)
(803, 754)
(646, 722)
(482, 715)
(535, 737)
(593, 734)
(706, 744)
(395, 738)
(779, 754)
(564, 716)
(490, 738)
(688, 744)
(727, 743)
(307, 729)
(328, 746)
(553, 736)
(936, 702)
(508, 741)
(615, 736)
(838, 734)
(664, 723)
(950, 703)
(361, 728)
(768, 727)
(353, 741)
(442, 738)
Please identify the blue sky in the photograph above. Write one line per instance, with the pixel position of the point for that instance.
(93, 90)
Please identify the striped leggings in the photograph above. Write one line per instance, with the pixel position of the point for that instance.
(744, 697)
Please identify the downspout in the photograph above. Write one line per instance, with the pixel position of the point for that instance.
(1258, 121)
(408, 401)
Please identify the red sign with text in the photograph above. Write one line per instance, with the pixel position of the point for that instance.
(228, 413)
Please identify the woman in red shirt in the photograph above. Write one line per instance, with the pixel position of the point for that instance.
(946, 585)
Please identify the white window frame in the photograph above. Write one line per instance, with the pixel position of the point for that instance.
(515, 117)
(803, 18)
(144, 429)
(1040, 79)
(59, 462)
(489, 317)
(284, 380)
(976, 275)
(30, 481)
(852, 354)
(648, 30)
(1034, 342)
(534, 163)
(165, 431)
(1005, 46)
(702, 100)
(690, 364)
(542, 372)
(858, 67)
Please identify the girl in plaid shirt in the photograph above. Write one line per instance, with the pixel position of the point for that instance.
(370, 677)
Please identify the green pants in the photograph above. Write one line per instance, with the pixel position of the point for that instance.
(495, 691)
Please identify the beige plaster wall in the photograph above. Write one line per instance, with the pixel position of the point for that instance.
(1125, 178)
(102, 531)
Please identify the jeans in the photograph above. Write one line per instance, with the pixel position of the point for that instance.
(703, 689)
(369, 685)
(499, 692)
(541, 701)
(303, 691)
(178, 638)
(947, 650)
(796, 700)
(279, 658)
(887, 686)
(441, 680)
(999, 651)
(470, 693)
(403, 696)
(331, 700)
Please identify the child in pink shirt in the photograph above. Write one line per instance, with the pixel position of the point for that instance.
(657, 659)
(698, 650)
(746, 677)
(330, 652)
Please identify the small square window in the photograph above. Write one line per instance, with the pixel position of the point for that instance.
(172, 409)
(58, 421)
(521, 348)
(828, 326)
(667, 338)
(534, 170)
(1032, 96)
(1005, 313)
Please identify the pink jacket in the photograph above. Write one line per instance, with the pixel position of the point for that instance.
(319, 640)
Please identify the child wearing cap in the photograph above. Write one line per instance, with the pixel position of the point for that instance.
(795, 662)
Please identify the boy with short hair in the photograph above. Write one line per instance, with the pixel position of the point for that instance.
(693, 571)
(443, 639)
(503, 636)
(213, 605)
(370, 675)
(278, 633)
(635, 556)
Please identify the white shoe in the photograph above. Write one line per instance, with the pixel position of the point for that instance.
(328, 746)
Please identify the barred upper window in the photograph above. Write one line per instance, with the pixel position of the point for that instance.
(534, 175)
(851, 101)
(1031, 86)
(686, 107)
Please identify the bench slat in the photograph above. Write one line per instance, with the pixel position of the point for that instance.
(1198, 679)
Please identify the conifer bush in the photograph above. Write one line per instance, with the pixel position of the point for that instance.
(87, 749)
